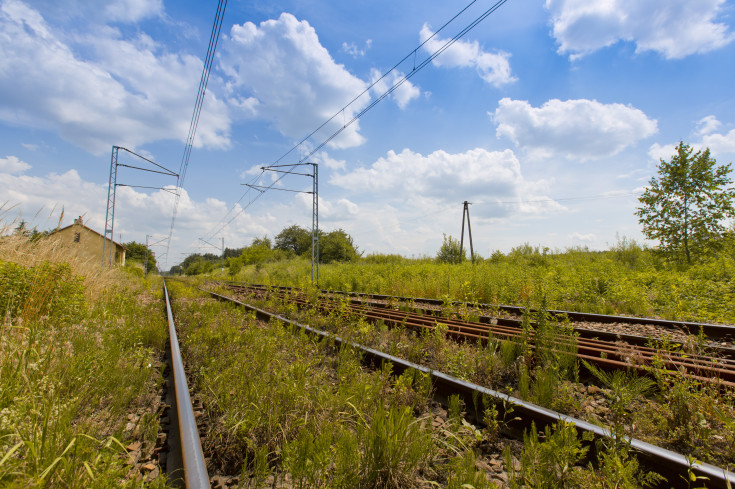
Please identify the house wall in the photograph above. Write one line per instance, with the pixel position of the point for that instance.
(88, 244)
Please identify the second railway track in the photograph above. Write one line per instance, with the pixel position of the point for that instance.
(673, 464)
(717, 366)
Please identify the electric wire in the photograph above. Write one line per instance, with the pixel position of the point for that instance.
(405, 78)
(395, 86)
(209, 58)
(395, 66)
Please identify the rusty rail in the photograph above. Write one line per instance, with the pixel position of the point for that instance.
(677, 466)
(604, 354)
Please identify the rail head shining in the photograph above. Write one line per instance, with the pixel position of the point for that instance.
(195, 470)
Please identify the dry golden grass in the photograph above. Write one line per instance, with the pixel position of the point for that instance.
(17, 247)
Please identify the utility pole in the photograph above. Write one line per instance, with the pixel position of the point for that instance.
(112, 192)
(145, 263)
(223, 255)
(466, 211)
(314, 206)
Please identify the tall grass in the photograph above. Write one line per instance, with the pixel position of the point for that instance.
(291, 411)
(77, 356)
(627, 279)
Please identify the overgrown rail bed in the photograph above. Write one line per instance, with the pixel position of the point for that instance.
(715, 365)
(684, 415)
(289, 410)
(628, 328)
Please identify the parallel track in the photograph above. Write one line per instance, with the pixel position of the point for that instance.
(716, 332)
(604, 354)
(675, 466)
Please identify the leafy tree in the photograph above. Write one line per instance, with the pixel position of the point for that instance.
(137, 252)
(337, 246)
(685, 207)
(294, 238)
(258, 252)
(450, 251)
(234, 265)
(233, 252)
(197, 263)
(262, 242)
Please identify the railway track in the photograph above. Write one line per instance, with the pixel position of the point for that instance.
(622, 352)
(185, 463)
(630, 329)
(678, 468)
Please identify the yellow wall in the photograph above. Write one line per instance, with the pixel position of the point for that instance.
(89, 244)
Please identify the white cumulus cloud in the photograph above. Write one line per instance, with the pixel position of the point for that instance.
(402, 95)
(355, 51)
(721, 145)
(674, 28)
(440, 178)
(707, 125)
(295, 80)
(494, 68)
(12, 164)
(128, 92)
(576, 129)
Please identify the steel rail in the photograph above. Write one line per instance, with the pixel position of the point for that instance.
(604, 354)
(713, 331)
(195, 470)
(673, 464)
(640, 340)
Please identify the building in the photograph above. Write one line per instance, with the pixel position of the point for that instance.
(87, 243)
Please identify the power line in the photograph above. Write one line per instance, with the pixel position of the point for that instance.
(405, 78)
(395, 86)
(213, 40)
(395, 66)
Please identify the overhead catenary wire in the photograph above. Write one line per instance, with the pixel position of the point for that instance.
(405, 78)
(211, 48)
(378, 80)
(385, 94)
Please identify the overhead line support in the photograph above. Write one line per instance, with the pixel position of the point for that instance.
(314, 207)
(466, 211)
(112, 193)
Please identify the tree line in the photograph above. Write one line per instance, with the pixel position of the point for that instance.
(293, 241)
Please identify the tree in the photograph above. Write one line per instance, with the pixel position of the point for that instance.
(294, 238)
(197, 263)
(258, 252)
(450, 251)
(685, 207)
(337, 246)
(137, 252)
(233, 252)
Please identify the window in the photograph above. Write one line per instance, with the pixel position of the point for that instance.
(77, 236)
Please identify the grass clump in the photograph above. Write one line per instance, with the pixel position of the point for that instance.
(74, 363)
(288, 410)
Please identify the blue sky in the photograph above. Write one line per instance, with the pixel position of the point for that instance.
(550, 117)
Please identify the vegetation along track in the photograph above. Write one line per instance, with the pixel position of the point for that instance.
(716, 365)
(680, 469)
(628, 328)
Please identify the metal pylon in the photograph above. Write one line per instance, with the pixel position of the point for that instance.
(466, 211)
(110, 214)
(315, 225)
